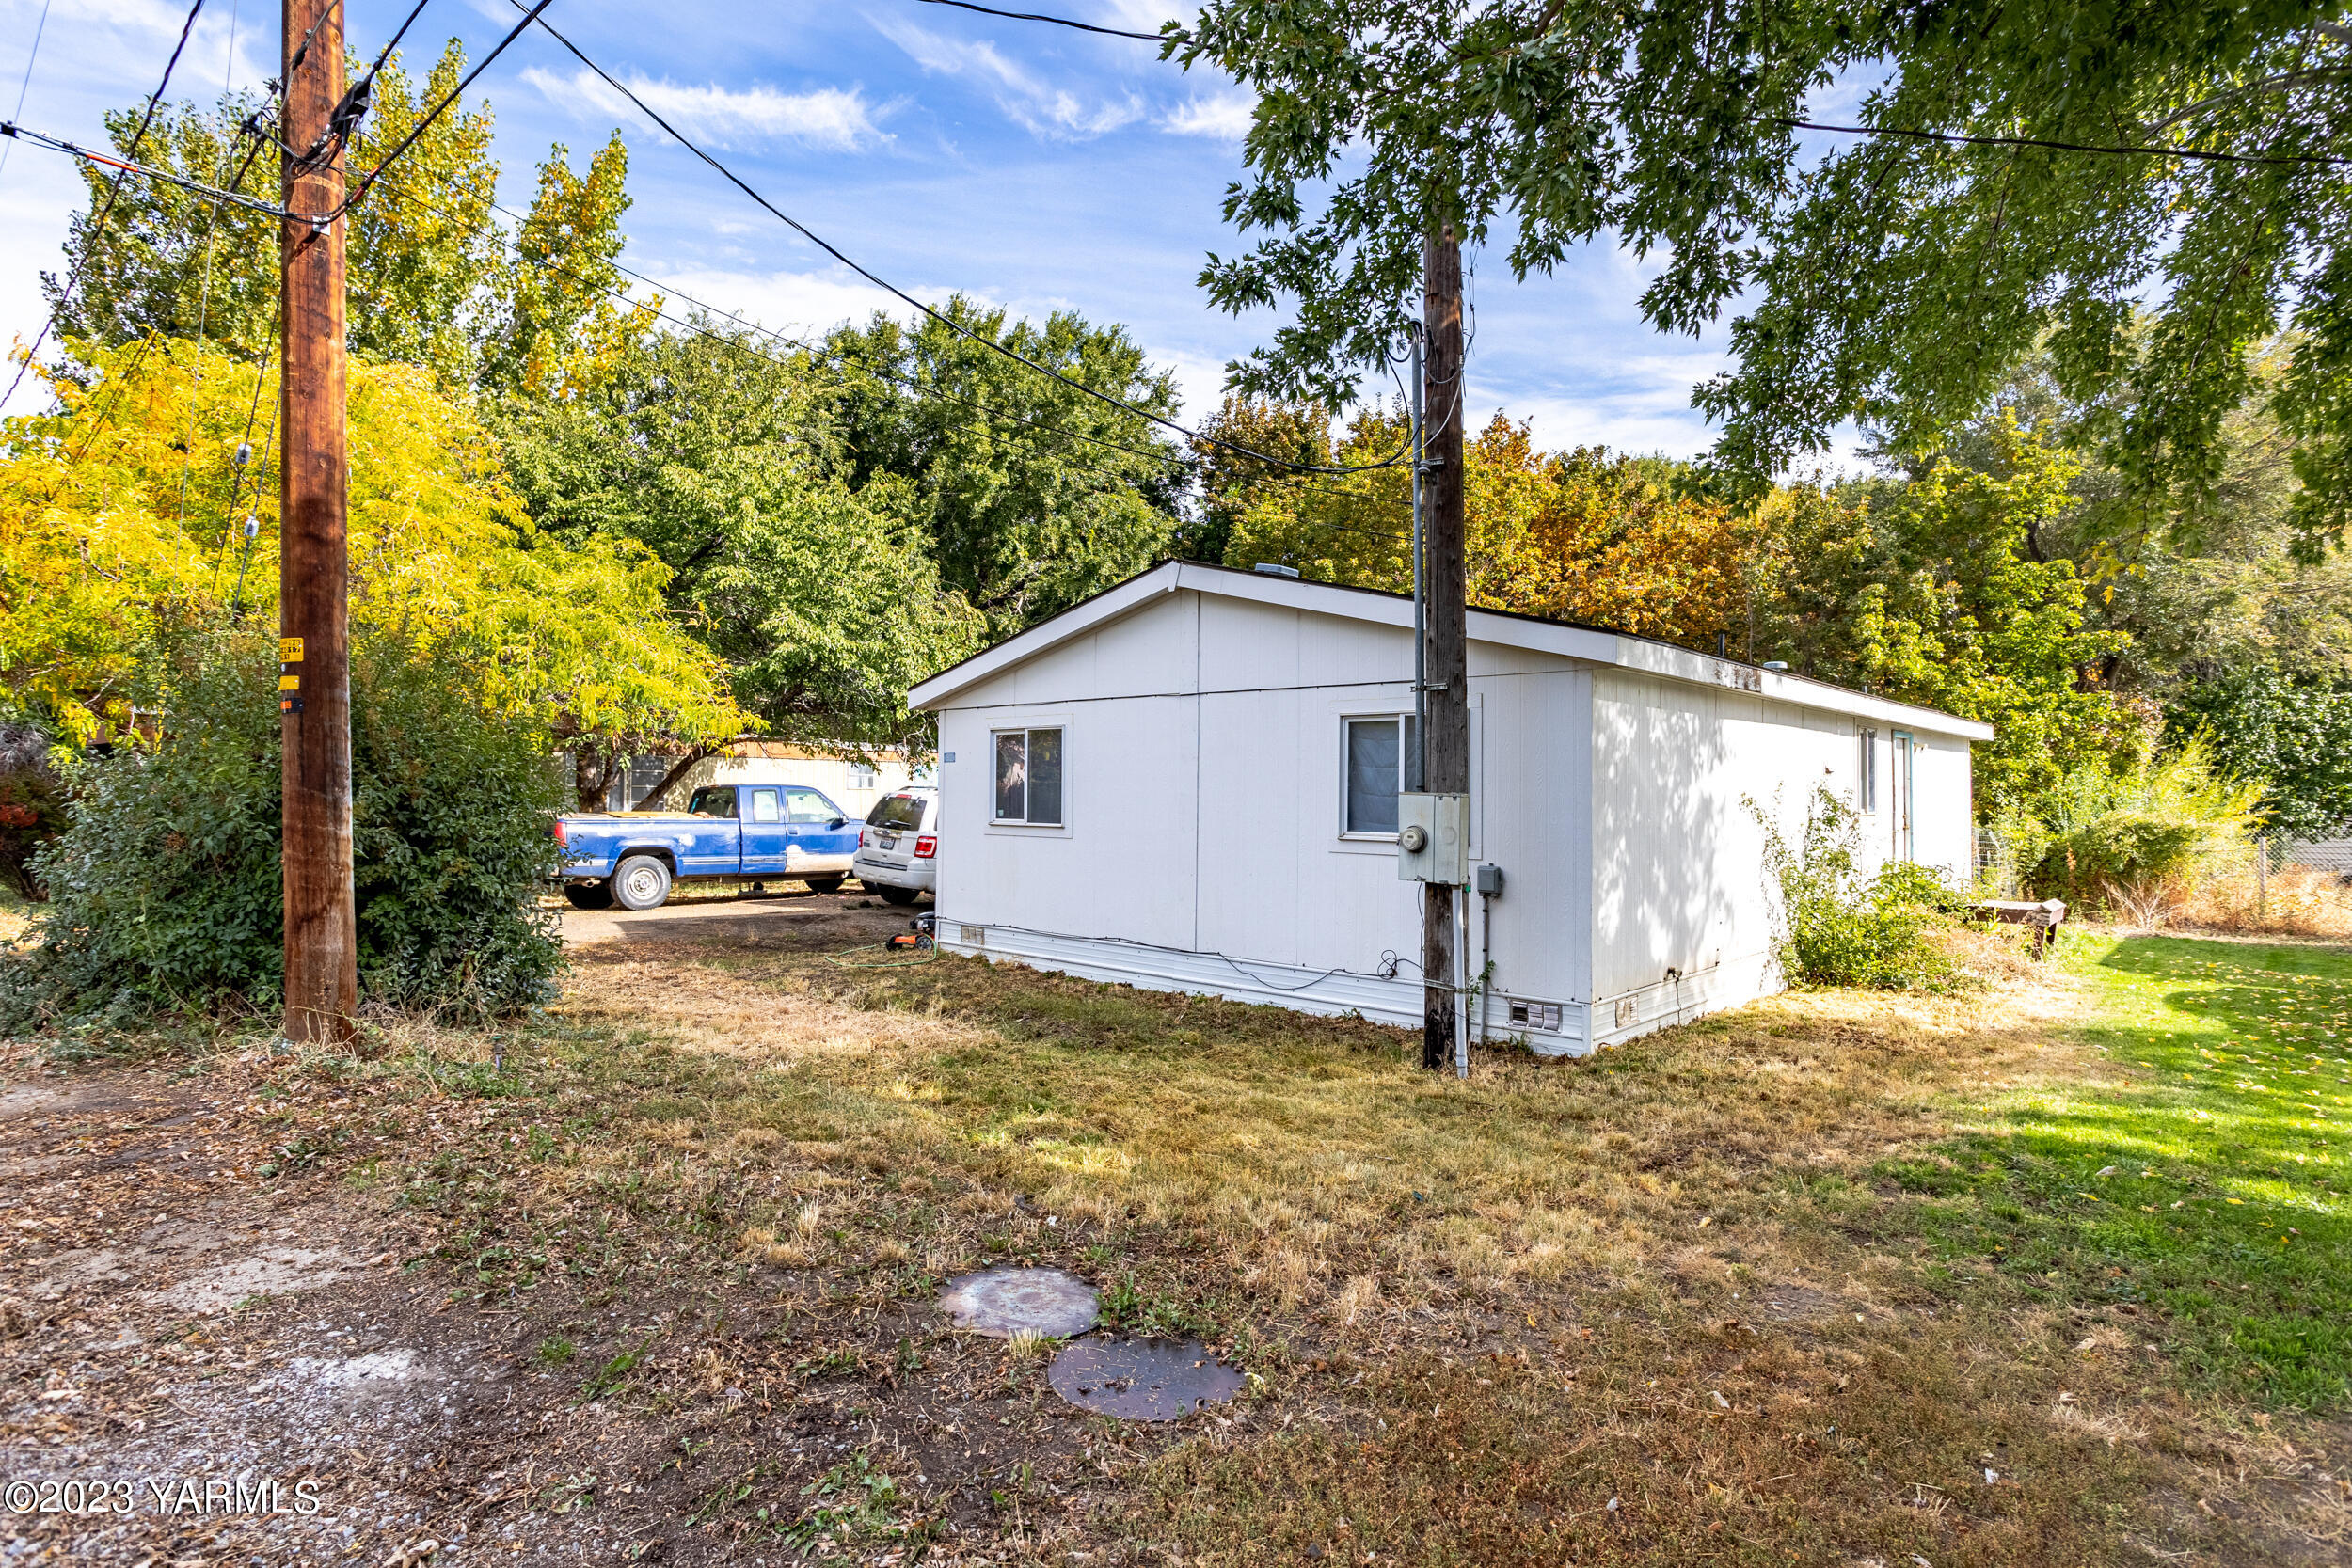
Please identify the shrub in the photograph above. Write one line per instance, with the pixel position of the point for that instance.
(1843, 927)
(2137, 837)
(166, 891)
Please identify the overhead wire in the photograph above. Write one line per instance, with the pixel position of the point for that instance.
(31, 59)
(1061, 22)
(424, 122)
(1953, 138)
(886, 286)
(98, 223)
(126, 167)
(842, 362)
(204, 291)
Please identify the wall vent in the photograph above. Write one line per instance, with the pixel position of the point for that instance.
(972, 936)
(1535, 1015)
(1626, 1013)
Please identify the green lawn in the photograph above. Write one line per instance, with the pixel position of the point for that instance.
(2196, 1178)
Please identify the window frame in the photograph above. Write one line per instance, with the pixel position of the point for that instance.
(833, 815)
(1404, 721)
(1866, 784)
(1027, 731)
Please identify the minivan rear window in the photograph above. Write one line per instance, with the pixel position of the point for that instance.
(902, 812)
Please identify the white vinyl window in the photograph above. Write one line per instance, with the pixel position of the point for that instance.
(1374, 772)
(1030, 777)
(1867, 775)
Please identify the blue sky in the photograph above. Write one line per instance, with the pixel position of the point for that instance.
(1029, 165)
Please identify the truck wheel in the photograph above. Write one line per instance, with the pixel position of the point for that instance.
(641, 882)
(824, 884)
(588, 895)
(900, 896)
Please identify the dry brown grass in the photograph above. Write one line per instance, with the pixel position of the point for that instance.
(1480, 1310)
(2296, 902)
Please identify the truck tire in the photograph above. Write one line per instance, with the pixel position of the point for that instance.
(824, 884)
(641, 882)
(899, 895)
(588, 895)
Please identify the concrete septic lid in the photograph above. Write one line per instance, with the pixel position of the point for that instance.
(1142, 1380)
(1003, 1302)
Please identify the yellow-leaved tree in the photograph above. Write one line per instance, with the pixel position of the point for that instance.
(123, 514)
(1584, 536)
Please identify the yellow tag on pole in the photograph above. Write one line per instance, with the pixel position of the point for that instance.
(289, 683)
(290, 650)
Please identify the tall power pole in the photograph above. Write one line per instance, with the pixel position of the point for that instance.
(315, 697)
(1445, 736)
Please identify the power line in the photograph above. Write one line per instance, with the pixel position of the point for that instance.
(125, 168)
(98, 223)
(26, 86)
(425, 123)
(1062, 22)
(892, 288)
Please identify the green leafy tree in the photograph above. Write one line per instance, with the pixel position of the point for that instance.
(432, 281)
(1930, 591)
(1231, 481)
(820, 596)
(2294, 737)
(1893, 278)
(1034, 495)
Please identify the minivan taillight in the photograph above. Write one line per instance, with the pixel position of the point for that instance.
(925, 847)
(860, 838)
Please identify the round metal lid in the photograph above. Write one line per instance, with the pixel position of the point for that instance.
(1142, 1380)
(1006, 1301)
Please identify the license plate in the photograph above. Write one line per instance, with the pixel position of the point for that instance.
(887, 841)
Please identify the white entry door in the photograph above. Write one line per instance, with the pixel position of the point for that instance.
(1900, 778)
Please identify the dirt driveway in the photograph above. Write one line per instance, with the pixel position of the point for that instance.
(223, 1339)
(793, 919)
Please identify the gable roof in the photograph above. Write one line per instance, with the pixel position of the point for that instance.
(1502, 629)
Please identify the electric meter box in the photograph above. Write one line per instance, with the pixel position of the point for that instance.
(1433, 838)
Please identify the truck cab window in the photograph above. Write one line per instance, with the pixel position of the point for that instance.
(713, 800)
(764, 807)
(806, 805)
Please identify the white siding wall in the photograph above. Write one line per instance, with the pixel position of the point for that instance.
(1212, 822)
(1680, 881)
(1944, 821)
(1678, 874)
(1202, 777)
(1124, 862)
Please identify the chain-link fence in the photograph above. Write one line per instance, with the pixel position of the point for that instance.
(2334, 855)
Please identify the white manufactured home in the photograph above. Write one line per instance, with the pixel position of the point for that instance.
(1190, 782)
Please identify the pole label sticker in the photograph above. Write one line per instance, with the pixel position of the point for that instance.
(290, 650)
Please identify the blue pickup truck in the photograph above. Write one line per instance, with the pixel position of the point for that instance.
(633, 858)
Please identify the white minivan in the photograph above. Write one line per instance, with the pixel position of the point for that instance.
(897, 850)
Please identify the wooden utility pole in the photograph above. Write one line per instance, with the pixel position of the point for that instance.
(1445, 738)
(314, 697)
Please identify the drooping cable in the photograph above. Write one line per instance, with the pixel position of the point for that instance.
(425, 121)
(1062, 22)
(894, 292)
(204, 291)
(25, 86)
(98, 223)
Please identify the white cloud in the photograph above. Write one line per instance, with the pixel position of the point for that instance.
(1037, 106)
(836, 117)
(1223, 117)
(800, 304)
